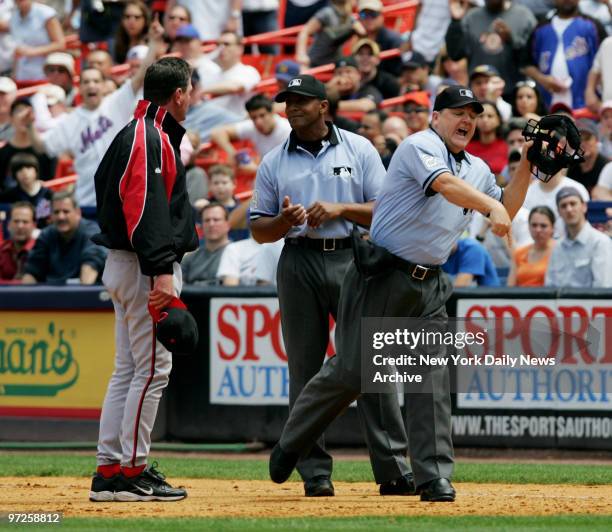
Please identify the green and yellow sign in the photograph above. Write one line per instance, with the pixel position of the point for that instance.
(51, 361)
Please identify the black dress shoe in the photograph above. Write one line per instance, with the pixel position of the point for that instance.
(281, 464)
(400, 486)
(319, 487)
(437, 490)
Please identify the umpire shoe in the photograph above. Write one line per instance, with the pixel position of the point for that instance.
(150, 485)
(320, 486)
(400, 486)
(281, 464)
(103, 489)
(437, 490)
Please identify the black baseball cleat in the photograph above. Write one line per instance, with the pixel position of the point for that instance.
(400, 486)
(150, 485)
(320, 486)
(103, 489)
(281, 464)
(437, 490)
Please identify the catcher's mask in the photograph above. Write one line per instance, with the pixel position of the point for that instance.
(546, 155)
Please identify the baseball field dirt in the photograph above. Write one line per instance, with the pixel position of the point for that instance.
(256, 498)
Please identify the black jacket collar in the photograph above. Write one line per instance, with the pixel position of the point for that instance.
(162, 118)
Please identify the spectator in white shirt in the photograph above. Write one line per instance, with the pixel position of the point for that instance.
(8, 93)
(540, 193)
(37, 32)
(603, 190)
(188, 45)
(582, 258)
(237, 80)
(264, 128)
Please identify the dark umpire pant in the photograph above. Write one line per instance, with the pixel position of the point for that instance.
(309, 281)
(393, 293)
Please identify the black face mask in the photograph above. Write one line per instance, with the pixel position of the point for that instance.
(546, 156)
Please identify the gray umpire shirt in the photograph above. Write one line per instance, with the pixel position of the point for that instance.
(348, 169)
(410, 219)
(582, 262)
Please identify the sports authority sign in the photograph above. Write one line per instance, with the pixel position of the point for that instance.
(248, 363)
(568, 404)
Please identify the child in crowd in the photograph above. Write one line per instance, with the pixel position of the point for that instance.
(221, 189)
(25, 171)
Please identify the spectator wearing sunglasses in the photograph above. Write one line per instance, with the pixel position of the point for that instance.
(59, 69)
(416, 109)
(371, 16)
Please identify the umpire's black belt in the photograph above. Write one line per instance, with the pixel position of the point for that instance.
(371, 259)
(419, 272)
(320, 244)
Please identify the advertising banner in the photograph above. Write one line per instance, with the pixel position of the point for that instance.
(248, 362)
(568, 404)
(55, 364)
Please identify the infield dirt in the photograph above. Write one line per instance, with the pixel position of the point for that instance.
(256, 498)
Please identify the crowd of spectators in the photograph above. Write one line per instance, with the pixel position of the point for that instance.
(61, 106)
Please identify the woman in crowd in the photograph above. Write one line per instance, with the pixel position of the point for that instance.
(133, 29)
(530, 262)
(488, 142)
(527, 102)
(37, 32)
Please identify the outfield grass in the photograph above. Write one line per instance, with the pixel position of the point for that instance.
(369, 524)
(40, 464)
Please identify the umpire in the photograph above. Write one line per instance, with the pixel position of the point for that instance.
(424, 205)
(310, 190)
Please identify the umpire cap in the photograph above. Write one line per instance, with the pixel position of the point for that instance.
(177, 329)
(306, 86)
(457, 96)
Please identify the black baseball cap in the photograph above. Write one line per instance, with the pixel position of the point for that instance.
(346, 61)
(176, 328)
(457, 96)
(305, 85)
(413, 60)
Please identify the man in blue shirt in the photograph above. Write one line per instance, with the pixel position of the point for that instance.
(470, 262)
(64, 250)
(425, 203)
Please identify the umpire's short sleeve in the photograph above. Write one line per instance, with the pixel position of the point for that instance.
(424, 160)
(373, 171)
(491, 188)
(265, 200)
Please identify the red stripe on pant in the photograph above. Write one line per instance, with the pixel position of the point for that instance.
(146, 387)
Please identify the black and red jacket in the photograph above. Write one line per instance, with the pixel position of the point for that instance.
(141, 192)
